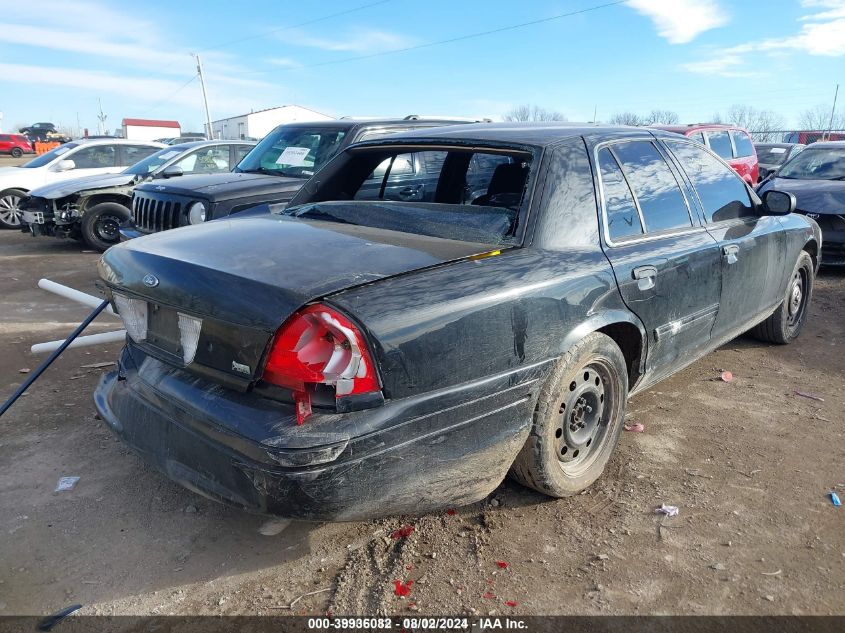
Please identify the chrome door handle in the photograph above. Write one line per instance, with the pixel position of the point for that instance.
(646, 277)
(731, 252)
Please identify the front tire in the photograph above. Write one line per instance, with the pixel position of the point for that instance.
(10, 213)
(100, 225)
(578, 420)
(786, 323)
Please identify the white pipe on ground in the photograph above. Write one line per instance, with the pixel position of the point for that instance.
(82, 341)
(74, 295)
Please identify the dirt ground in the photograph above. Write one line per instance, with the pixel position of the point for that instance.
(748, 462)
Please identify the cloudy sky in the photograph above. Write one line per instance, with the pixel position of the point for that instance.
(396, 57)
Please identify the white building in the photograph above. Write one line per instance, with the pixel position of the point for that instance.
(150, 129)
(256, 125)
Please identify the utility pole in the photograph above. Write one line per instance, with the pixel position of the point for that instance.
(209, 134)
(832, 112)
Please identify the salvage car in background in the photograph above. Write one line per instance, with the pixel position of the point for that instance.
(773, 155)
(272, 173)
(347, 358)
(92, 208)
(71, 160)
(733, 144)
(16, 145)
(816, 177)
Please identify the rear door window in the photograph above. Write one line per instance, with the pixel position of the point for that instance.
(720, 143)
(620, 209)
(135, 153)
(744, 146)
(240, 152)
(698, 137)
(95, 157)
(654, 186)
(723, 194)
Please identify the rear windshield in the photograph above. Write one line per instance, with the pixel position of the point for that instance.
(460, 194)
(824, 163)
(49, 157)
(772, 155)
(296, 152)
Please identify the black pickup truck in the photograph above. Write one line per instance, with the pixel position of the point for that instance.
(272, 173)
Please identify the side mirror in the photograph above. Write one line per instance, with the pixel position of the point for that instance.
(778, 203)
(172, 171)
(65, 165)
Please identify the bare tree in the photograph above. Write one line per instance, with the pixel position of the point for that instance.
(818, 118)
(764, 125)
(717, 118)
(662, 117)
(533, 113)
(626, 118)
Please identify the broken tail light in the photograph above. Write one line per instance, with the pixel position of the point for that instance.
(133, 313)
(319, 346)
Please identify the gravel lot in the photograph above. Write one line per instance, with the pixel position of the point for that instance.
(749, 463)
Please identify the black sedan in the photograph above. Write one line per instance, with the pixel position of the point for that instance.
(346, 358)
(817, 179)
(772, 155)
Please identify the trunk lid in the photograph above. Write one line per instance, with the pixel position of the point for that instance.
(253, 273)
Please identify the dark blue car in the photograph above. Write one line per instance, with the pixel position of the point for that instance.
(816, 177)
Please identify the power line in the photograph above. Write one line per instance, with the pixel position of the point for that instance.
(295, 26)
(459, 38)
(173, 94)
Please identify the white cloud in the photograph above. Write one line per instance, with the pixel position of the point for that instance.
(822, 34)
(681, 21)
(360, 40)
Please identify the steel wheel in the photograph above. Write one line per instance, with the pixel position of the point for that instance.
(10, 214)
(107, 227)
(578, 419)
(583, 418)
(796, 298)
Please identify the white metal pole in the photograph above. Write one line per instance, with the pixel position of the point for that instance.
(209, 132)
(74, 295)
(81, 341)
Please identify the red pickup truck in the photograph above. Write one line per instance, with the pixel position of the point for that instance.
(730, 142)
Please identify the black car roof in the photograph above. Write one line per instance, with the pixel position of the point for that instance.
(826, 145)
(348, 124)
(533, 134)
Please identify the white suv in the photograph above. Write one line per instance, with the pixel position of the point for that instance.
(71, 160)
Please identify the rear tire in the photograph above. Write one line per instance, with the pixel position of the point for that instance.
(10, 213)
(786, 323)
(578, 419)
(100, 225)
(17, 152)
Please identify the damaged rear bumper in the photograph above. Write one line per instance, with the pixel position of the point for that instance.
(406, 457)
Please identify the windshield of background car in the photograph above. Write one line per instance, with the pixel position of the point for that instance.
(154, 161)
(772, 155)
(457, 193)
(824, 163)
(53, 154)
(297, 152)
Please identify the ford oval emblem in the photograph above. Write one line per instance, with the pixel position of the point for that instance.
(151, 281)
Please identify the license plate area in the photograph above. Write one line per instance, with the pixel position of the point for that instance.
(163, 329)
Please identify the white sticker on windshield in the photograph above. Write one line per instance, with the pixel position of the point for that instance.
(168, 155)
(777, 150)
(61, 150)
(294, 156)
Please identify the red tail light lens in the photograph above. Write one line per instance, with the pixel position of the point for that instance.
(318, 345)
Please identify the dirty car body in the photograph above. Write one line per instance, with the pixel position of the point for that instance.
(357, 355)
